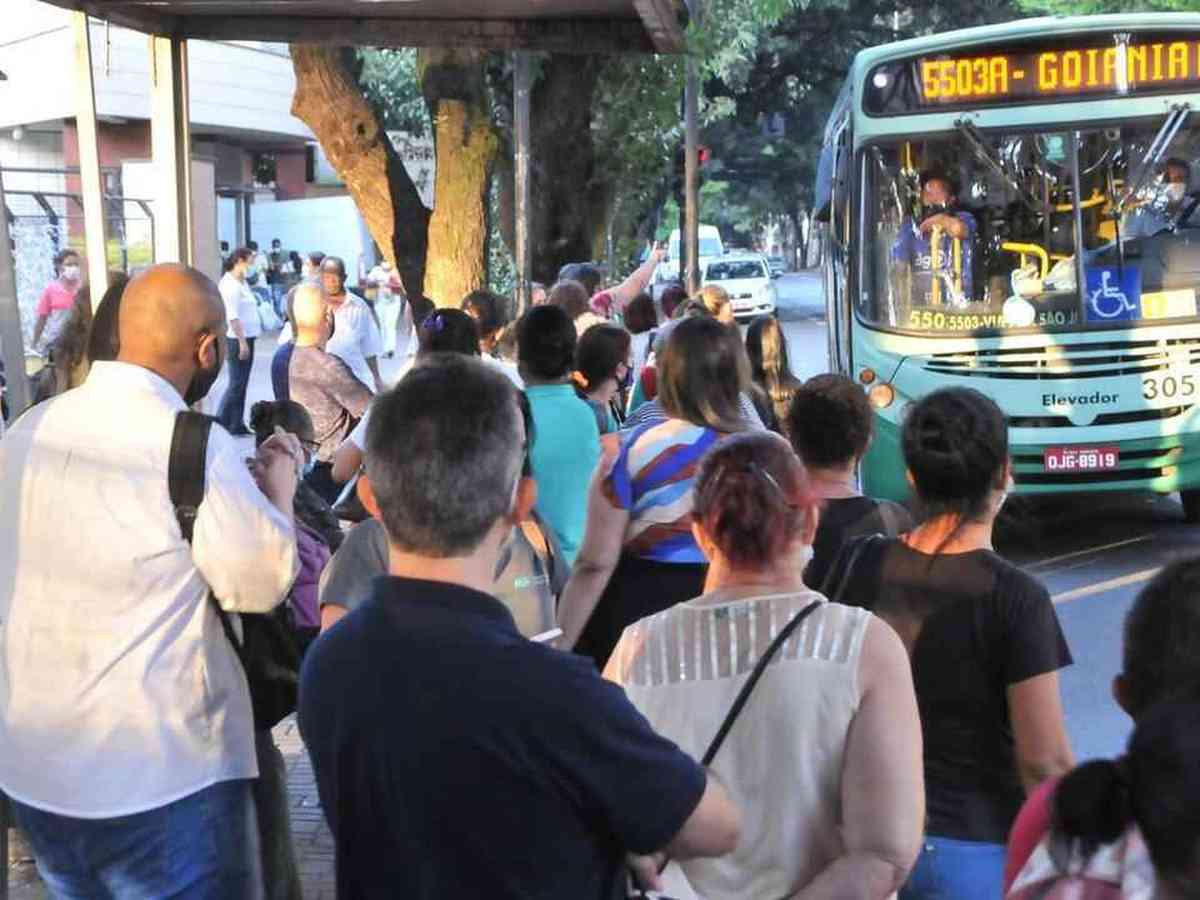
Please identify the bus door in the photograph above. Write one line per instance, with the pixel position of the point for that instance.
(838, 266)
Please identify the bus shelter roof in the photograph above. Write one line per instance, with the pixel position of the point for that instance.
(579, 26)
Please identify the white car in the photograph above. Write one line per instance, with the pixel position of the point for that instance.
(747, 278)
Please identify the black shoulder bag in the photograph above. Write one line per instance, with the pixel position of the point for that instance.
(268, 651)
(739, 702)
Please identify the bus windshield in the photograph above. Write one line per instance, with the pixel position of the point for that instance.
(976, 231)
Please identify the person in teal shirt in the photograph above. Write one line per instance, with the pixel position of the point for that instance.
(566, 439)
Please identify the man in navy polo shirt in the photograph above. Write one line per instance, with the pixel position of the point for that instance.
(454, 758)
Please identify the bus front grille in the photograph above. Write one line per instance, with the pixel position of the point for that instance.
(1074, 361)
(1089, 477)
(1114, 418)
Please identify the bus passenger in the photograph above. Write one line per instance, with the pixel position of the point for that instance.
(951, 257)
(1158, 214)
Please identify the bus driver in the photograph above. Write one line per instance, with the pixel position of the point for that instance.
(942, 245)
(1159, 214)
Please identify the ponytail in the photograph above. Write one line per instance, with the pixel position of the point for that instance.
(1093, 805)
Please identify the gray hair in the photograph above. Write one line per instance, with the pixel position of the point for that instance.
(444, 451)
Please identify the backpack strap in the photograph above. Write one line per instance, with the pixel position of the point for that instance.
(185, 482)
(748, 688)
(185, 471)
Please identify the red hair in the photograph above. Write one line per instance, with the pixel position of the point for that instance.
(752, 498)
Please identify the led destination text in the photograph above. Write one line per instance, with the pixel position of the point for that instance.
(1052, 73)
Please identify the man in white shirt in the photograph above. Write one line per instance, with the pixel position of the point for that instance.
(241, 312)
(125, 716)
(356, 339)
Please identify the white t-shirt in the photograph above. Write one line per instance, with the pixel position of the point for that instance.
(356, 337)
(240, 304)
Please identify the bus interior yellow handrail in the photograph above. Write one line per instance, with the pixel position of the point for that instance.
(1095, 200)
(1026, 250)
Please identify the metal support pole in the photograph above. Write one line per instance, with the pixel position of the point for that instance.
(691, 180)
(522, 86)
(95, 232)
(11, 340)
(171, 146)
(1080, 264)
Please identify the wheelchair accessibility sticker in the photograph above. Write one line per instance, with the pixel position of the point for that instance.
(1113, 294)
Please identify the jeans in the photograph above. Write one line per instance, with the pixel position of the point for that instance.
(233, 404)
(280, 872)
(278, 298)
(202, 847)
(950, 869)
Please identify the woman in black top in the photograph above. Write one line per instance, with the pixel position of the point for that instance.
(984, 639)
(829, 423)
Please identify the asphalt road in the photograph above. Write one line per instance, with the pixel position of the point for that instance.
(1094, 552)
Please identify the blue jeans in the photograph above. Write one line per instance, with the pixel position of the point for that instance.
(950, 869)
(203, 847)
(278, 296)
(233, 404)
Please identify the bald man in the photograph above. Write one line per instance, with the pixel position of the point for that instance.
(126, 727)
(323, 384)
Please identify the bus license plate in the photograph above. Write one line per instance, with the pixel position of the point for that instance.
(1080, 459)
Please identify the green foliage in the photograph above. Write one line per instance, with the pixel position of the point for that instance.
(636, 128)
(388, 78)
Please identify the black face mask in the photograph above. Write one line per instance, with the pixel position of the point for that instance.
(201, 384)
(203, 380)
(935, 209)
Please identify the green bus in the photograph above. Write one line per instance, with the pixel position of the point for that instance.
(1011, 208)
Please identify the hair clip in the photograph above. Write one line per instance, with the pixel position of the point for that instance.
(753, 468)
(435, 322)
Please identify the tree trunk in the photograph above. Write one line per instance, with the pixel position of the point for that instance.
(455, 91)
(567, 207)
(329, 101)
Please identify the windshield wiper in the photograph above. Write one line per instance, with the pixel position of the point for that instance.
(975, 140)
(1170, 127)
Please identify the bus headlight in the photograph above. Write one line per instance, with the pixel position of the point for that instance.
(882, 396)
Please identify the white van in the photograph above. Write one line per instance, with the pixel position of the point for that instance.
(710, 244)
(711, 247)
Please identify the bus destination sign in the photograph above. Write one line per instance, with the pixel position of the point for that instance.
(999, 76)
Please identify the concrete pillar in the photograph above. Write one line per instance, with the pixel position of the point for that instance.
(171, 149)
(94, 224)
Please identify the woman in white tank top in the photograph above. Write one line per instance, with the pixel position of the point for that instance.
(825, 759)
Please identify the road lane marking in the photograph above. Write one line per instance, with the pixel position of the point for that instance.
(1057, 559)
(1104, 587)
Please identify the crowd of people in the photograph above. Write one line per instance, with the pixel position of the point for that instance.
(588, 602)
